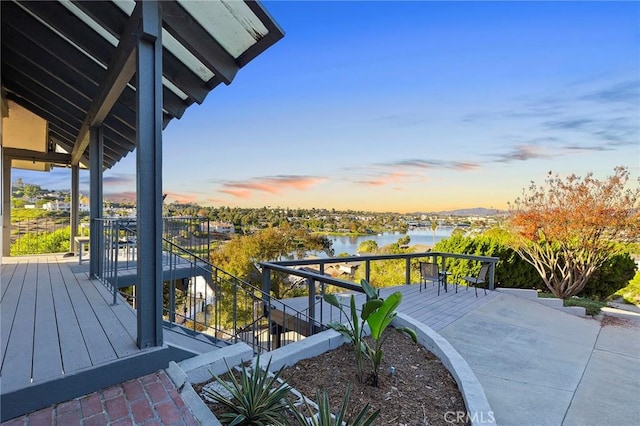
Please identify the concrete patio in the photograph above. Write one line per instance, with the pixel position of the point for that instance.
(540, 366)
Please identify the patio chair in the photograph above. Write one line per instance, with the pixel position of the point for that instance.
(480, 279)
(429, 272)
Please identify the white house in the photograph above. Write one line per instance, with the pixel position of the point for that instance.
(217, 228)
(61, 206)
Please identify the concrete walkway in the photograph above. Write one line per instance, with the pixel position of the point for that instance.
(540, 366)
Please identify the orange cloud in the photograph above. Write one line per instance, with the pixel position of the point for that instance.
(385, 179)
(465, 165)
(239, 193)
(180, 197)
(269, 184)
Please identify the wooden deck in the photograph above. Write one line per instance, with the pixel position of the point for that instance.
(61, 335)
(56, 322)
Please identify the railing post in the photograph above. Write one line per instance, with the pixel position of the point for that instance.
(492, 271)
(266, 286)
(266, 296)
(408, 271)
(235, 312)
(172, 301)
(311, 284)
(367, 271)
(322, 285)
(117, 251)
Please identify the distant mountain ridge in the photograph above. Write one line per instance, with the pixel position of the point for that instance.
(477, 211)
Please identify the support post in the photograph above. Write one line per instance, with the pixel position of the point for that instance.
(75, 190)
(149, 174)
(96, 153)
(6, 206)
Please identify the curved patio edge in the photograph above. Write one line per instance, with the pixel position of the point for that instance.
(479, 410)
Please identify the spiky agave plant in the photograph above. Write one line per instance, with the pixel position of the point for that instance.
(324, 417)
(257, 398)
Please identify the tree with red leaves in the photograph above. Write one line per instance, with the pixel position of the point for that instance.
(567, 228)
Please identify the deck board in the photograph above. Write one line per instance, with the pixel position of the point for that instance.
(5, 277)
(10, 304)
(16, 366)
(74, 356)
(120, 341)
(47, 362)
(93, 334)
(426, 306)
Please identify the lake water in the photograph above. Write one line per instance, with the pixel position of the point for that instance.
(346, 244)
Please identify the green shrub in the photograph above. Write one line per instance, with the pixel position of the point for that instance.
(592, 307)
(614, 275)
(57, 241)
(511, 271)
(514, 272)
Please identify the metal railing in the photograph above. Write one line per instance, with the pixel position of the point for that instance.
(38, 234)
(411, 261)
(196, 294)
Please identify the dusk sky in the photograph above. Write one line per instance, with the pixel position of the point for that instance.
(408, 106)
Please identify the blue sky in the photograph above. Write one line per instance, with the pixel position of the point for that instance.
(409, 106)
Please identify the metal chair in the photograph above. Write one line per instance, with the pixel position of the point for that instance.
(480, 279)
(429, 272)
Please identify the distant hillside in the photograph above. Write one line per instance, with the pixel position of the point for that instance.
(478, 211)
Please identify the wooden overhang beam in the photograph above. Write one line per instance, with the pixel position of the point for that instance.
(36, 43)
(110, 17)
(274, 34)
(199, 42)
(29, 155)
(121, 69)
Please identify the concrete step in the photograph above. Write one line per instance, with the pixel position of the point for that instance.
(575, 310)
(551, 302)
(520, 292)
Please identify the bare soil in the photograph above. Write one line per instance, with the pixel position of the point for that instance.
(420, 392)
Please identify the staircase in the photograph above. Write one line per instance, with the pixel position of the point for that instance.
(551, 302)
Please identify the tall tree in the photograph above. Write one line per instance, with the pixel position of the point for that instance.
(241, 255)
(568, 227)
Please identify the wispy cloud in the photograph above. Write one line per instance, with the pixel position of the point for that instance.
(627, 92)
(617, 131)
(383, 179)
(269, 184)
(568, 124)
(119, 179)
(420, 163)
(522, 153)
